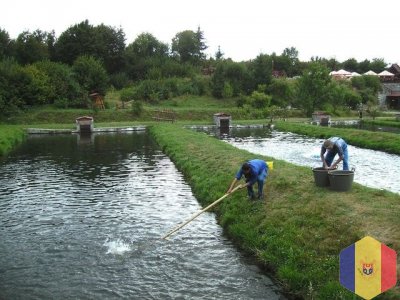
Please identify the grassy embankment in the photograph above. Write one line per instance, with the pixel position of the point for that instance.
(383, 122)
(186, 108)
(9, 137)
(300, 229)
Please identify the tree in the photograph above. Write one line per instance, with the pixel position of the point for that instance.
(350, 65)
(65, 88)
(218, 81)
(145, 53)
(237, 75)
(367, 86)
(364, 66)
(378, 65)
(281, 91)
(110, 47)
(189, 46)
(145, 46)
(77, 40)
(333, 64)
(372, 109)
(5, 44)
(13, 81)
(201, 45)
(232, 74)
(293, 56)
(91, 75)
(32, 47)
(341, 94)
(261, 70)
(219, 54)
(102, 42)
(312, 87)
(280, 63)
(39, 89)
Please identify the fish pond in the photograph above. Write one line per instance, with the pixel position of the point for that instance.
(373, 168)
(82, 218)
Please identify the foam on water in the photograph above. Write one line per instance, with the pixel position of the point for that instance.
(117, 247)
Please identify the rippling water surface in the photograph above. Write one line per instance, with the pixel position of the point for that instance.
(81, 218)
(375, 169)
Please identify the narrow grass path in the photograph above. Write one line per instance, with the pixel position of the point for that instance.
(298, 231)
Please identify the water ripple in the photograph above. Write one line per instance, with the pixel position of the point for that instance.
(82, 221)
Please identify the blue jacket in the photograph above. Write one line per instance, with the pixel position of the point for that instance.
(257, 166)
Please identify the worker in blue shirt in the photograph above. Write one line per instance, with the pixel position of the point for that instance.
(255, 170)
(334, 145)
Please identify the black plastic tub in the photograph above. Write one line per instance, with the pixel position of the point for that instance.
(340, 181)
(321, 177)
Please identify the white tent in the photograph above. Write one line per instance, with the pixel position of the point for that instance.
(370, 73)
(386, 74)
(354, 74)
(342, 72)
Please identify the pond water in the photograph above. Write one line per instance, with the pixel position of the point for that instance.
(364, 126)
(375, 169)
(82, 218)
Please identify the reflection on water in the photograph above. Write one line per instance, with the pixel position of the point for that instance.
(375, 169)
(82, 219)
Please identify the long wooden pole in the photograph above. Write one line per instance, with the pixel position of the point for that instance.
(200, 212)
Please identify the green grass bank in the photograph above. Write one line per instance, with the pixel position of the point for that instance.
(383, 122)
(9, 137)
(299, 229)
(384, 141)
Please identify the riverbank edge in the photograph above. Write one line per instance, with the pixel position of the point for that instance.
(10, 136)
(293, 234)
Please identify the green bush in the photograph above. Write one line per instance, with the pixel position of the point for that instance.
(201, 85)
(119, 80)
(91, 74)
(127, 94)
(260, 100)
(227, 91)
(39, 90)
(137, 108)
(13, 82)
(66, 90)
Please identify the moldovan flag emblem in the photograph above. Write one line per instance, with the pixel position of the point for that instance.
(368, 268)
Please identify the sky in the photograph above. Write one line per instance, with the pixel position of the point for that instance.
(339, 29)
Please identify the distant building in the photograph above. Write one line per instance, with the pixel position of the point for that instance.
(390, 95)
(395, 70)
(321, 117)
(222, 120)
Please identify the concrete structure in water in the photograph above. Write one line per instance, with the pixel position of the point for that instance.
(321, 117)
(84, 124)
(222, 120)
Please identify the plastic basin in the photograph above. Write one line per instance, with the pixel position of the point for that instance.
(321, 177)
(340, 180)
